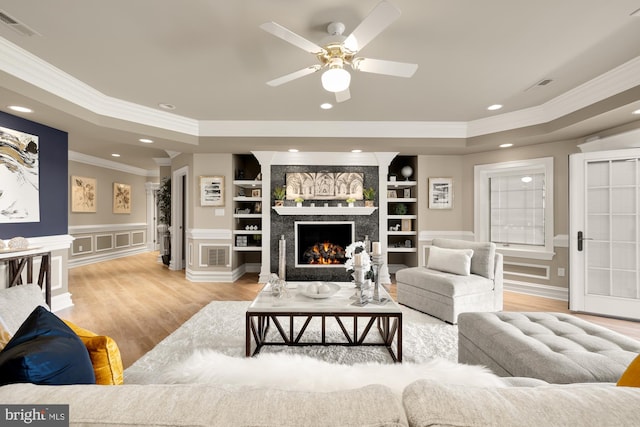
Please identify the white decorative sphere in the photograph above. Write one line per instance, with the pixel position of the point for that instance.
(406, 172)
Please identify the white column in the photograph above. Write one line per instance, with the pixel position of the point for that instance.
(384, 160)
(265, 158)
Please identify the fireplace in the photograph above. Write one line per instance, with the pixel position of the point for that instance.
(321, 244)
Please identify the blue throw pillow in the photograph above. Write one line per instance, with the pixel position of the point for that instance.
(45, 351)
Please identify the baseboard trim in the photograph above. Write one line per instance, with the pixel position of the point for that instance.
(212, 276)
(61, 301)
(77, 262)
(534, 289)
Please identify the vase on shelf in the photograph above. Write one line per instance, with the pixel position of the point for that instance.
(351, 204)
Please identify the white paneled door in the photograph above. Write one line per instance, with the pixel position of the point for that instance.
(604, 196)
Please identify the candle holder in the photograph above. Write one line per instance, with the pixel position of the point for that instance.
(378, 262)
(361, 295)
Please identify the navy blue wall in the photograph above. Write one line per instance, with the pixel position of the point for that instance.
(53, 146)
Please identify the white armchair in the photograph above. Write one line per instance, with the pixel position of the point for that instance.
(459, 277)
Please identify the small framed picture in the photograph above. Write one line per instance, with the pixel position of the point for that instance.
(212, 191)
(83, 194)
(407, 193)
(440, 193)
(121, 198)
(256, 192)
(391, 194)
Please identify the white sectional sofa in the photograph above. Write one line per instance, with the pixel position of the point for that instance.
(523, 402)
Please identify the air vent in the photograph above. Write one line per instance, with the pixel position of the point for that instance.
(16, 25)
(539, 84)
(217, 256)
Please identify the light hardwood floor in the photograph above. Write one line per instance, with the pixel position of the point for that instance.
(138, 302)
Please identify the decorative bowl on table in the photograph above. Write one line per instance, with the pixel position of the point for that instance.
(319, 290)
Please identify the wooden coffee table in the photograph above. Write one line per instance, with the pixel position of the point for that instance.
(300, 310)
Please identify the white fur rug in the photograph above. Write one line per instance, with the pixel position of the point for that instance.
(210, 346)
(298, 372)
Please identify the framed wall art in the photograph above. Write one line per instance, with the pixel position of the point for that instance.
(121, 198)
(440, 193)
(324, 185)
(212, 191)
(20, 178)
(84, 192)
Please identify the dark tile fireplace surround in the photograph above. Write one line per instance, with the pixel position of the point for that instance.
(285, 224)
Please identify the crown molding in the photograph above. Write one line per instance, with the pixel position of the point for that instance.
(108, 164)
(613, 82)
(33, 70)
(328, 129)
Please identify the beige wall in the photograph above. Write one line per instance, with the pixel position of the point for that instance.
(560, 152)
(104, 181)
(208, 216)
(461, 217)
(106, 235)
(440, 167)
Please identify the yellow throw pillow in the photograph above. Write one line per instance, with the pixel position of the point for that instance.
(104, 354)
(631, 376)
(5, 336)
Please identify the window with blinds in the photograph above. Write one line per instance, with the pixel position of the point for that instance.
(517, 209)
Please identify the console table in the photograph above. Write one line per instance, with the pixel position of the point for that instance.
(16, 262)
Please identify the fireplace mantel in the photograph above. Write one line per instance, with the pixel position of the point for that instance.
(269, 159)
(321, 210)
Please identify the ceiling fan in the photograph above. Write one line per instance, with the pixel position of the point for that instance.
(340, 51)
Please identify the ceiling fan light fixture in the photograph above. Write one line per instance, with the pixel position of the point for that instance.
(336, 79)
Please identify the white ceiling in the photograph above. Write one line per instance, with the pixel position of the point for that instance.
(99, 69)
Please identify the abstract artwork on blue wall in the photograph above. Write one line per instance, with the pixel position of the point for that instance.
(19, 177)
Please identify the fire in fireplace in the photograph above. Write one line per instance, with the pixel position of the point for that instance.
(324, 253)
(322, 243)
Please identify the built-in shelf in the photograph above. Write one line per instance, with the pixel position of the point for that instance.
(402, 233)
(247, 231)
(401, 184)
(247, 199)
(402, 199)
(402, 216)
(330, 210)
(247, 248)
(247, 216)
(390, 249)
(248, 183)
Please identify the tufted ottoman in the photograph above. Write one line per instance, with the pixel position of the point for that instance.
(554, 347)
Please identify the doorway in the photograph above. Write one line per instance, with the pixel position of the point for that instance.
(179, 215)
(604, 197)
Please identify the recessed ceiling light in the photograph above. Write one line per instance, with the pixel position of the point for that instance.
(293, 150)
(636, 112)
(506, 145)
(166, 106)
(326, 106)
(526, 179)
(356, 151)
(115, 155)
(494, 107)
(20, 109)
(146, 140)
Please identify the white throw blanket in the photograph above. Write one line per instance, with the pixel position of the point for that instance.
(298, 372)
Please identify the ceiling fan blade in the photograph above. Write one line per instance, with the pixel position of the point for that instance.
(291, 37)
(295, 75)
(380, 66)
(345, 95)
(378, 19)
